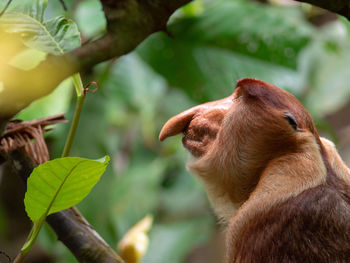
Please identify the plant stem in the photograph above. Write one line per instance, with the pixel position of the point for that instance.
(19, 258)
(34, 232)
(73, 128)
(78, 85)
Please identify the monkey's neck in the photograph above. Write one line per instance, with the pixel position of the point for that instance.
(223, 206)
(283, 178)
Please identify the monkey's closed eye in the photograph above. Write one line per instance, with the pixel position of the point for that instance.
(291, 119)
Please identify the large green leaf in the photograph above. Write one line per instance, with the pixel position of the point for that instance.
(61, 183)
(270, 33)
(228, 41)
(56, 36)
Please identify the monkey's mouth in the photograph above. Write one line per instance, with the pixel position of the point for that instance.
(197, 140)
(194, 146)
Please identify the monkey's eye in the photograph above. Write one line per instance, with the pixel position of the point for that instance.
(291, 119)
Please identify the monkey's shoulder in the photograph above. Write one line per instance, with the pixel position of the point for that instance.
(311, 227)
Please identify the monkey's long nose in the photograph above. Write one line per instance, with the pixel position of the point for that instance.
(179, 122)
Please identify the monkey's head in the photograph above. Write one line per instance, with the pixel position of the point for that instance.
(234, 139)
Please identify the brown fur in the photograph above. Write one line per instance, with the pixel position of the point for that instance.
(284, 193)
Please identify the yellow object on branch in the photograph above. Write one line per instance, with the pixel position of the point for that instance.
(134, 244)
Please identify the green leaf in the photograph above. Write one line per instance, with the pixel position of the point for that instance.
(61, 183)
(27, 59)
(55, 36)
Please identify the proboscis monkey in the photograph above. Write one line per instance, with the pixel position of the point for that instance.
(283, 191)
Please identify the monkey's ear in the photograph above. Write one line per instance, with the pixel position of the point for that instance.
(291, 119)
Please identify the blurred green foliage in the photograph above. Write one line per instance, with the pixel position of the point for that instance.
(210, 45)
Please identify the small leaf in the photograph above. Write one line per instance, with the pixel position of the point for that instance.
(27, 59)
(61, 183)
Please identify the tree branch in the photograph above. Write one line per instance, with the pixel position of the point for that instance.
(340, 7)
(129, 22)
